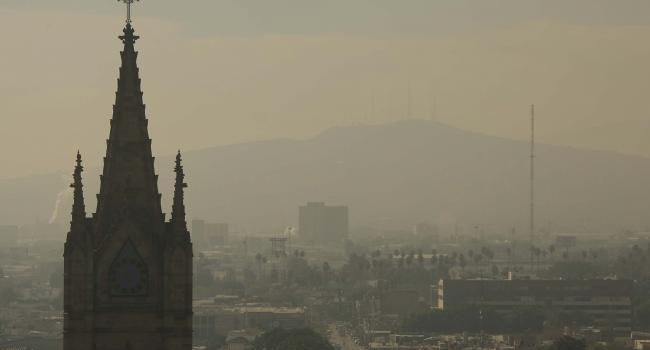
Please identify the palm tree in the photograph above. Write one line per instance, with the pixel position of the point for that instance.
(258, 261)
(409, 260)
(326, 271)
(478, 258)
(462, 263)
(434, 259)
(495, 270)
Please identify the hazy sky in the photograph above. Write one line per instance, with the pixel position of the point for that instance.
(217, 72)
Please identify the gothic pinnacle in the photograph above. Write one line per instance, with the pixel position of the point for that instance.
(78, 205)
(178, 207)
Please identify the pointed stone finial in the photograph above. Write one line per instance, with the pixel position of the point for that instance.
(129, 36)
(178, 206)
(78, 205)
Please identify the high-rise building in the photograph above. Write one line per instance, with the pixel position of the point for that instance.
(320, 223)
(128, 271)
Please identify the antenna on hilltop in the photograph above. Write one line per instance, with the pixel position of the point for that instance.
(372, 106)
(408, 112)
(434, 102)
(532, 180)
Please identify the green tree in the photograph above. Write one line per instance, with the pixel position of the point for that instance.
(569, 343)
(296, 339)
(642, 314)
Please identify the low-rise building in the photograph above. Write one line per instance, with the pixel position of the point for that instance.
(607, 302)
(211, 319)
(241, 339)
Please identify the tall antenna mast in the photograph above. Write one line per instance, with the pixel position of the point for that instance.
(408, 115)
(434, 102)
(372, 106)
(532, 180)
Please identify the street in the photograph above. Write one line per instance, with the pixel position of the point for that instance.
(342, 340)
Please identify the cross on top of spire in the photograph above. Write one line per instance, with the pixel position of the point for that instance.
(128, 8)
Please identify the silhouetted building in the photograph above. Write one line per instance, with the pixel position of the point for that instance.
(128, 271)
(607, 302)
(403, 302)
(320, 223)
(211, 319)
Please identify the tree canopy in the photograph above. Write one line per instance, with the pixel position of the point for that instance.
(296, 339)
(569, 343)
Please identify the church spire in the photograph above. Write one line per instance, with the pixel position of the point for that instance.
(178, 207)
(78, 205)
(129, 185)
(129, 91)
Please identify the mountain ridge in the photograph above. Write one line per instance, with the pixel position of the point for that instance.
(391, 175)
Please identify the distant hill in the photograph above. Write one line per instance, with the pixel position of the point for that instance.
(626, 136)
(390, 175)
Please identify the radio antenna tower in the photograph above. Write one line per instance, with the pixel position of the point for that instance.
(409, 101)
(532, 183)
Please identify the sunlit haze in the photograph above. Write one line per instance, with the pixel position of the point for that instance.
(223, 72)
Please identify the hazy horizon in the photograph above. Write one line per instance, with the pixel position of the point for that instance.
(223, 72)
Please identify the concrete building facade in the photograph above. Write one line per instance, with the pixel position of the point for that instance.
(607, 302)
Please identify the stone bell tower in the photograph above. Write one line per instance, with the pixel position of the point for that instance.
(128, 271)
